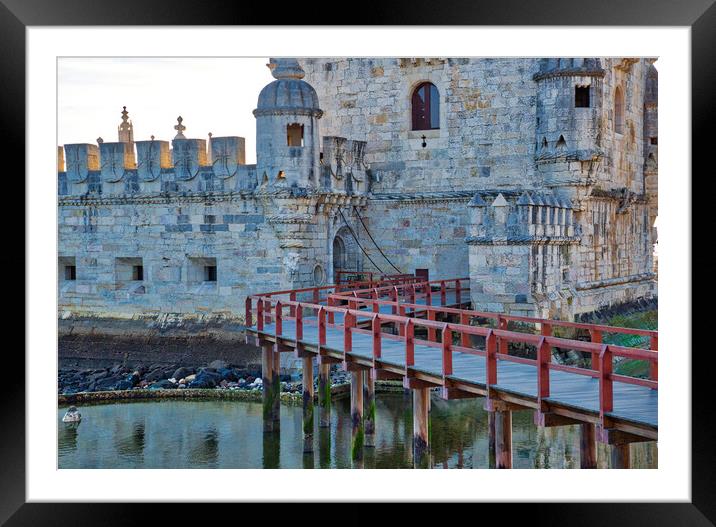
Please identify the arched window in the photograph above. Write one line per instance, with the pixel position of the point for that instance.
(619, 110)
(426, 107)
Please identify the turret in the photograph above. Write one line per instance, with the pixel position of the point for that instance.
(651, 143)
(568, 143)
(287, 141)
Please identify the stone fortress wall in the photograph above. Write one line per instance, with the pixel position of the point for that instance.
(543, 204)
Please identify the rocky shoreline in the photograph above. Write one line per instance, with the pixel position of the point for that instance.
(217, 379)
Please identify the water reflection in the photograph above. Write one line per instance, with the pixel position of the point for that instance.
(271, 450)
(229, 434)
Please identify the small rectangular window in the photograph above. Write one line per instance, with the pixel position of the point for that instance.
(653, 140)
(201, 270)
(294, 134)
(67, 268)
(128, 269)
(581, 97)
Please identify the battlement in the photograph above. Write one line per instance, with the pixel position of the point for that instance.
(185, 166)
(533, 217)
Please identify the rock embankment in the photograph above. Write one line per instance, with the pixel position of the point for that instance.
(217, 374)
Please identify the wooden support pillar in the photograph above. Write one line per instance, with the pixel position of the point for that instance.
(421, 428)
(357, 430)
(369, 402)
(503, 438)
(276, 401)
(268, 381)
(324, 394)
(492, 459)
(588, 446)
(621, 456)
(619, 442)
(307, 382)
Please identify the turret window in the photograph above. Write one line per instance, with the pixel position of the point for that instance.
(426, 107)
(581, 96)
(619, 110)
(294, 134)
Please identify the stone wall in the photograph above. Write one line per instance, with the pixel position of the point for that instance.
(174, 240)
(419, 232)
(487, 112)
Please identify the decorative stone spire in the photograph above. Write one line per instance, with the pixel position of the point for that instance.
(286, 69)
(125, 129)
(179, 128)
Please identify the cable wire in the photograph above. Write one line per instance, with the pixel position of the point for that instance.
(376, 245)
(356, 239)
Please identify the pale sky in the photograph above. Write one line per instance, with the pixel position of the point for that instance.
(214, 95)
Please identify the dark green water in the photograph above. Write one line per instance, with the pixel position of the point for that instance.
(228, 434)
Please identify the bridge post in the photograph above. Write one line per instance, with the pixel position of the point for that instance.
(268, 388)
(276, 396)
(324, 394)
(503, 438)
(307, 382)
(357, 430)
(491, 454)
(421, 428)
(369, 403)
(588, 446)
(620, 455)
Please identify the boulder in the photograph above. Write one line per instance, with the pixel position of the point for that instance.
(163, 372)
(205, 379)
(227, 374)
(183, 372)
(124, 384)
(106, 384)
(218, 364)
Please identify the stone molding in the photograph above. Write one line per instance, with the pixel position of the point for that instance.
(261, 112)
(200, 197)
(594, 284)
(572, 72)
(523, 240)
(424, 197)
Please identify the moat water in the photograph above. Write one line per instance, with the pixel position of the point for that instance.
(229, 434)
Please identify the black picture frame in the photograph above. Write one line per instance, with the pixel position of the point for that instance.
(699, 15)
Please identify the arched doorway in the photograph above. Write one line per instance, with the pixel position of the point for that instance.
(339, 254)
(345, 252)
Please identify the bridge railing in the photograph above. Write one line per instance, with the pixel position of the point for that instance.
(370, 277)
(412, 291)
(602, 370)
(319, 294)
(501, 321)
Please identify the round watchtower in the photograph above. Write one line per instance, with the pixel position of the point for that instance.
(287, 141)
(569, 101)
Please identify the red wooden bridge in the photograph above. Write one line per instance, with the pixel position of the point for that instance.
(423, 333)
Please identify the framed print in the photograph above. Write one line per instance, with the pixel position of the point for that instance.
(425, 240)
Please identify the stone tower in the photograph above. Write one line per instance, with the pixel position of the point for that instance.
(651, 142)
(569, 104)
(287, 141)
